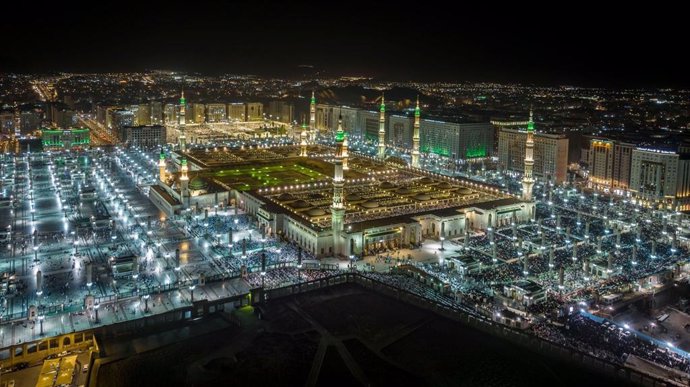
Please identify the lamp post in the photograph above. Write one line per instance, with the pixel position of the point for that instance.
(95, 308)
(442, 239)
(191, 292)
(40, 322)
(146, 303)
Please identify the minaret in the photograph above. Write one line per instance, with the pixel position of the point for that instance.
(382, 130)
(345, 155)
(161, 166)
(184, 181)
(312, 116)
(303, 142)
(527, 179)
(338, 207)
(182, 140)
(415, 137)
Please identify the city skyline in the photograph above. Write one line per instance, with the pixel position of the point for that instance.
(580, 47)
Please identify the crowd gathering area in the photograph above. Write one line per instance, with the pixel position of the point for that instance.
(77, 231)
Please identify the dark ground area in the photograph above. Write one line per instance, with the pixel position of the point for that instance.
(342, 336)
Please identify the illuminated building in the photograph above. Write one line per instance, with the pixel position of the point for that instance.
(156, 113)
(653, 176)
(457, 140)
(609, 164)
(60, 139)
(216, 112)
(237, 111)
(198, 113)
(170, 114)
(281, 111)
(550, 153)
(143, 135)
(255, 111)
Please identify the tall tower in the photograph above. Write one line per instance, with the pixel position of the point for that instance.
(312, 116)
(161, 165)
(345, 155)
(184, 181)
(338, 207)
(182, 140)
(415, 136)
(527, 179)
(303, 138)
(382, 130)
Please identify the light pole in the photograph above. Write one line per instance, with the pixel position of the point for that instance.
(40, 321)
(146, 303)
(191, 292)
(442, 239)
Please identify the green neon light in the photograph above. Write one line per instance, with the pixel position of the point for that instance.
(183, 162)
(475, 152)
(339, 136)
(417, 112)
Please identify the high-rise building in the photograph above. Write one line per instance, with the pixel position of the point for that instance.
(143, 136)
(198, 111)
(255, 111)
(550, 153)
(216, 112)
(7, 121)
(170, 114)
(156, 113)
(30, 120)
(143, 114)
(119, 118)
(457, 140)
(281, 111)
(609, 164)
(62, 116)
(399, 132)
(654, 176)
(237, 112)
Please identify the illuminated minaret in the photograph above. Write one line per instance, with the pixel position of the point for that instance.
(161, 166)
(345, 155)
(527, 179)
(182, 140)
(338, 207)
(184, 180)
(415, 137)
(303, 137)
(312, 116)
(382, 130)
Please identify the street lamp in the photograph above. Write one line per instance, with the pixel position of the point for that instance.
(191, 292)
(40, 321)
(442, 239)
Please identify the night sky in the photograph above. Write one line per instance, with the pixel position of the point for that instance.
(576, 45)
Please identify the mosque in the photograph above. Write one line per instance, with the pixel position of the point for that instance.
(334, 202)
